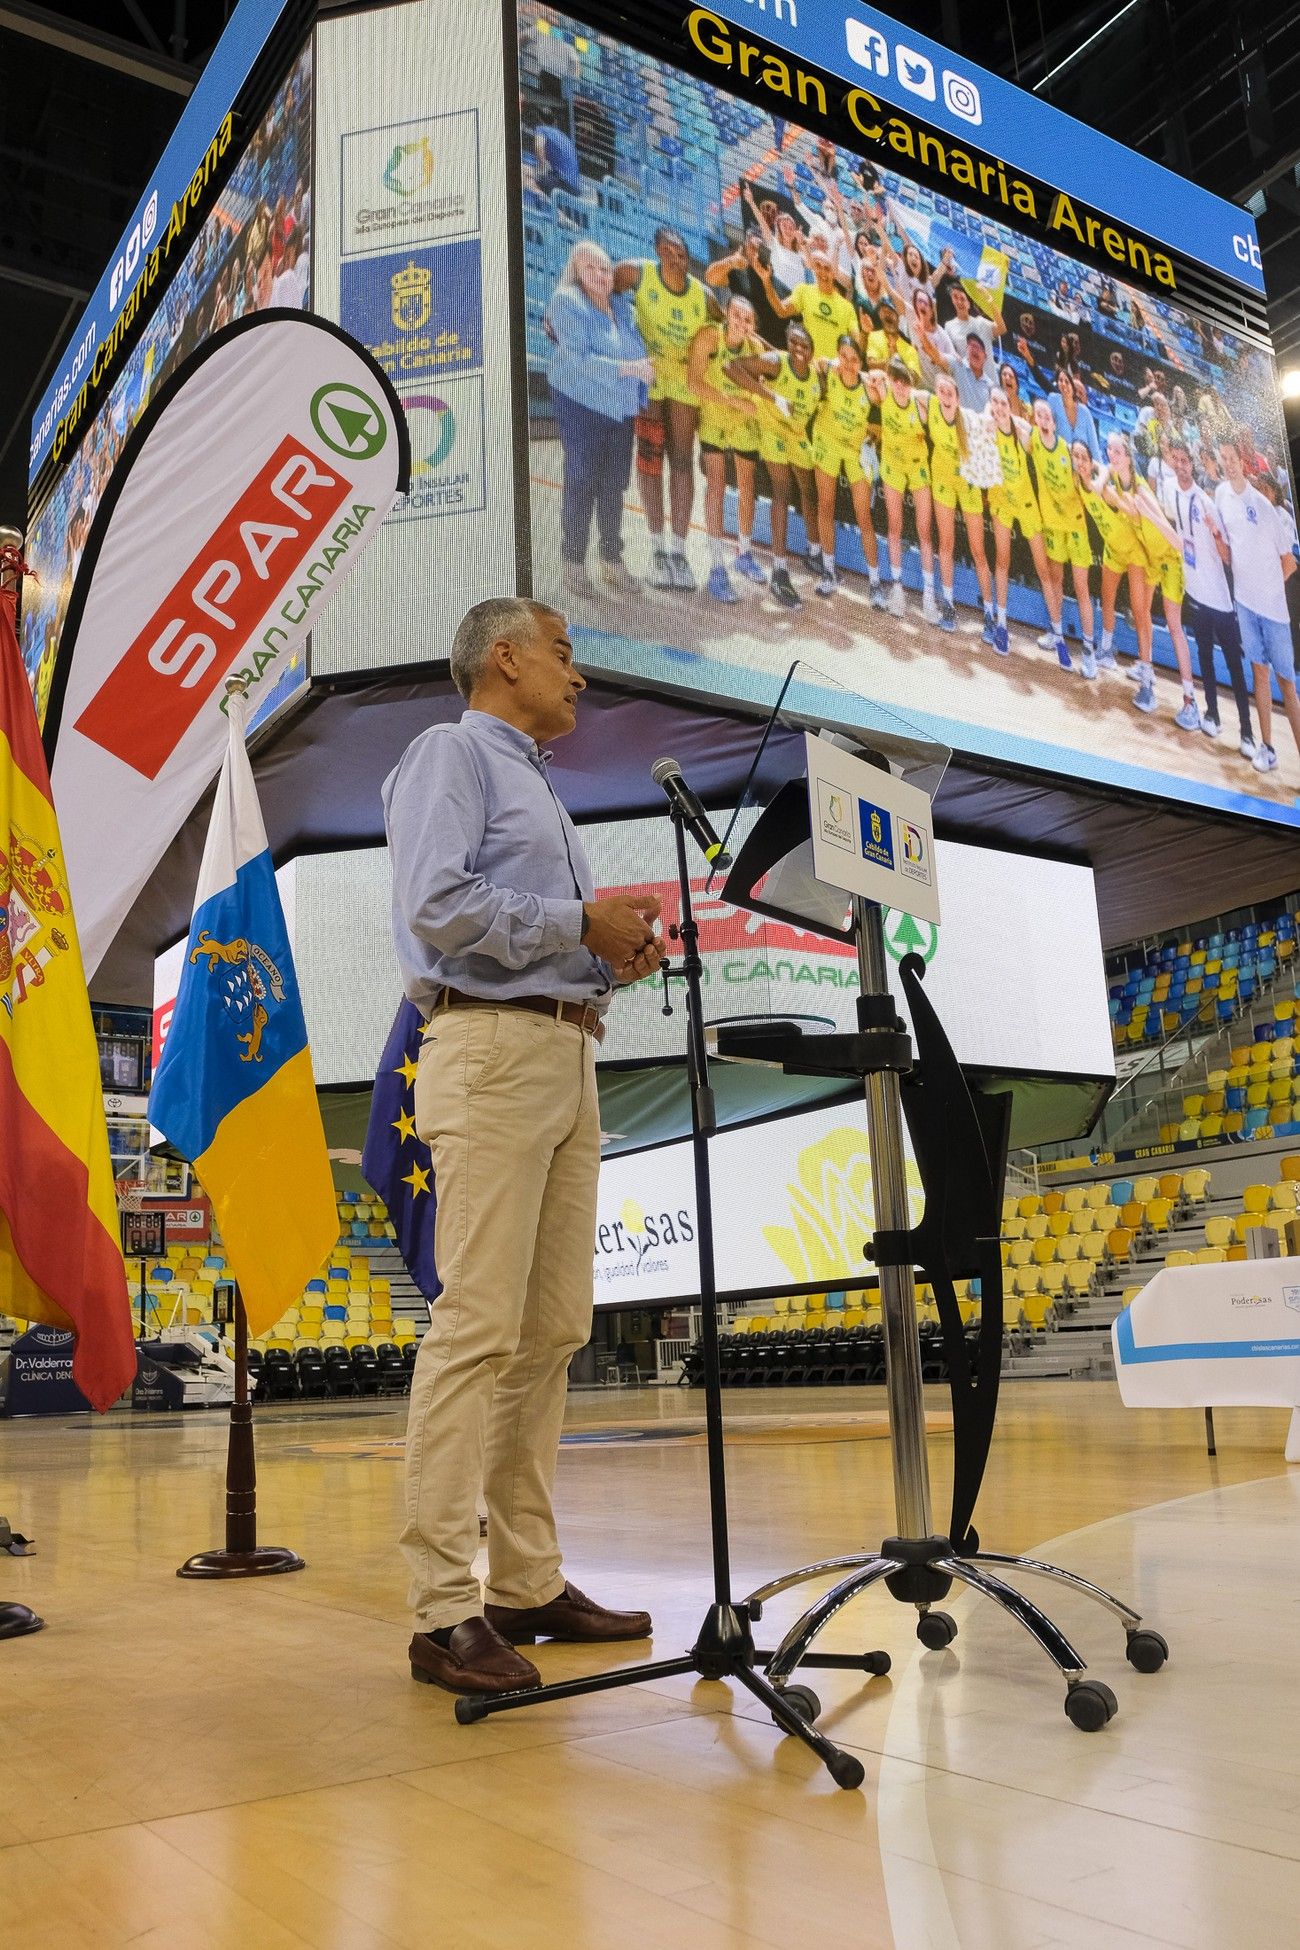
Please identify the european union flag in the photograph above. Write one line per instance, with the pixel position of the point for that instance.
(395, 1161)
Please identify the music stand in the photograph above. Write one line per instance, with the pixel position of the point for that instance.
(959, 1139)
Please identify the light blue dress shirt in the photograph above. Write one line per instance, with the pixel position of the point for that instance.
(591, 348)
(489, 875)
(1084, 428)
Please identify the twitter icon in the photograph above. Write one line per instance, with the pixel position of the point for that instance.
(915, 72)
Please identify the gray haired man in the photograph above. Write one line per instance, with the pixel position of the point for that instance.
(512, 960)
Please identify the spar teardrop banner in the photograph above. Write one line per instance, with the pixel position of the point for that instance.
(243, 498)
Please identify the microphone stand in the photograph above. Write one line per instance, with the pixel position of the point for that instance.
(724, 1646)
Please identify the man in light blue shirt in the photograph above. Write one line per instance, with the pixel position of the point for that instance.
(505, 950)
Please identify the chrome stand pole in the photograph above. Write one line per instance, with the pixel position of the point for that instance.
(897, 1284)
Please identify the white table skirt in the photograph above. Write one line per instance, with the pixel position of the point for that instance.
(1208, 1336)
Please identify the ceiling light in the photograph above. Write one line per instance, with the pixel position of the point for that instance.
(1291, 383)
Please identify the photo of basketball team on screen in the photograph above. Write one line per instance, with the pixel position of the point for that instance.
(780, 394)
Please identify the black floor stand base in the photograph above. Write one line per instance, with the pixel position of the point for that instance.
(16, 1621)
(724, 1650)
(921, 1571)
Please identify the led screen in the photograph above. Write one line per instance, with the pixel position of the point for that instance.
(1058, 532)
(253, 251)
(1015, 969)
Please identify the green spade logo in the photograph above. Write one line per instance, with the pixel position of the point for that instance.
(349, 421)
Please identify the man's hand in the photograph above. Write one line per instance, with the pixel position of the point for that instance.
(645, 962)
(618, 929)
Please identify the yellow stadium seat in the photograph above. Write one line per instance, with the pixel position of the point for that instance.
(1044, 1251)
(1284, 1196)
(816, 1303)
(1094, 1247)
(1189, 1130)
(1119, 1243)
(1157, 1213)
(1284, 1011)
(1069, 1250)
(1180, 1258)
(1241, 1057)
(1145, 1189)
(1075, 1198)
(1059, 1224)
(1255, 1198)
(310, 1330)
(1022, 1252)
(1036, 1226)
(1035, 1312)
(1209, 1255)
(1211, 1127)
(1130, 1216)
(1196, 1183)
(1099, 1195)
(1014, 1227)
(1193, 1105)
(1128, 1296)
(1232, 1122)
(1029, 1206)
(1052, 1202)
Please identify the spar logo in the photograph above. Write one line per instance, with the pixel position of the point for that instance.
(410, 168)
(152, 696)
(433, 430)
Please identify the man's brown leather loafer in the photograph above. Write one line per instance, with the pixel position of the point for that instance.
(572, 1617)
(475, 1660)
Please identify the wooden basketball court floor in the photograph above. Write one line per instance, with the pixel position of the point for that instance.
(188, 1765)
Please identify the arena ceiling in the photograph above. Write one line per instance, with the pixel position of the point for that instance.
(94, 87)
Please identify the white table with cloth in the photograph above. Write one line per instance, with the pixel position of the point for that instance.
(1211, 1336)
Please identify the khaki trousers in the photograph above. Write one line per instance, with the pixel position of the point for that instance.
(506, 1100)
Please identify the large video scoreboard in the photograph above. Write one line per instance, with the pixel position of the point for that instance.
(641, 278)
(677, 177)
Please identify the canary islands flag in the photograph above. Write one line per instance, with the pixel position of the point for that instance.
(60, 1258)
(234, 1090)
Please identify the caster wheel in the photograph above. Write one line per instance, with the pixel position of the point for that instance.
(935, 1629)
(1089, 1705)
(1146, 1650)
(876, 1663)
(803, 1701)
(469, 1709)
(753, 1612)
(846, 1771)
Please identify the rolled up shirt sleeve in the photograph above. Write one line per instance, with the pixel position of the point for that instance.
(436, 819)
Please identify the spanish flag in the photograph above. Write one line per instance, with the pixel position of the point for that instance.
(60, 1257)
(234, 1089)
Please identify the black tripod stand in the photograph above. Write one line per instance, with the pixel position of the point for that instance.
(724, 1648)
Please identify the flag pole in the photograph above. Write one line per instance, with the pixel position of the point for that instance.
(242, 1556)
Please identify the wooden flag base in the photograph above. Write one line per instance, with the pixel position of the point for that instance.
(16, 1620)
(242, 1556)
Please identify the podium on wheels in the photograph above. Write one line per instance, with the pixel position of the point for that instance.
(835, 822)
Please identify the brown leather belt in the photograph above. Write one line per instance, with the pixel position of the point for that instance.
(585, 1015)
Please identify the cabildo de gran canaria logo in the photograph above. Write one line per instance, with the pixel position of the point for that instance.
(410, 168)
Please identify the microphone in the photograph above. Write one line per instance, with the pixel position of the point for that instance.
(667, 773)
